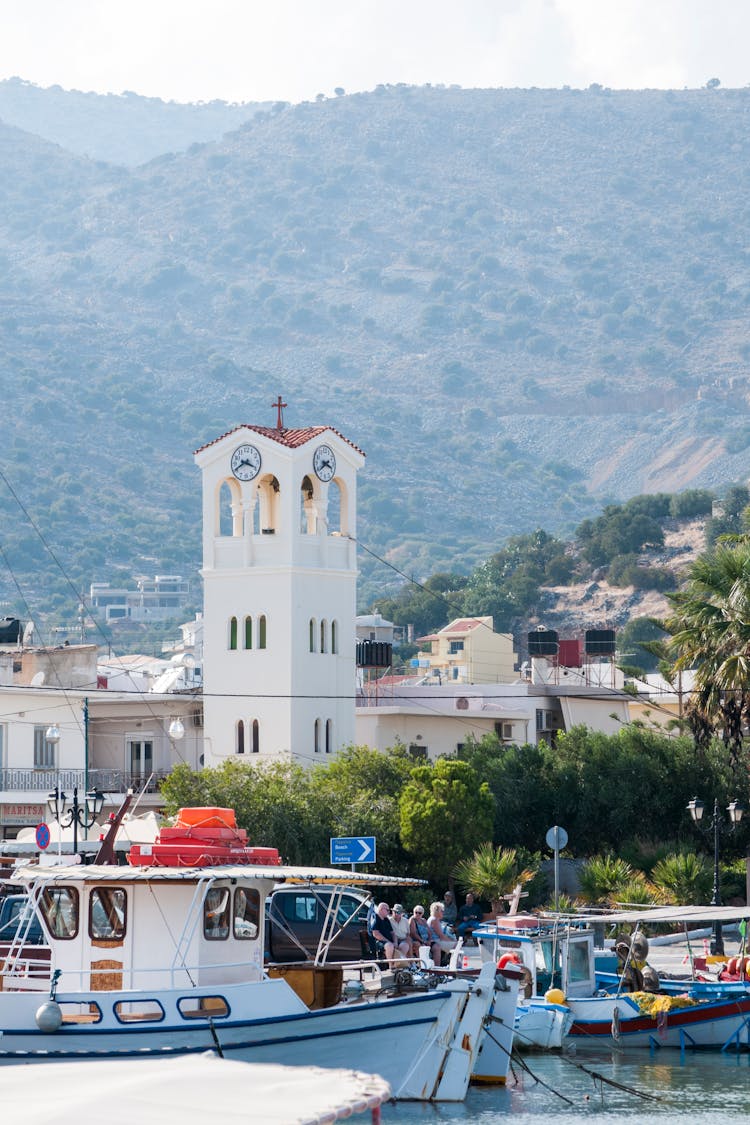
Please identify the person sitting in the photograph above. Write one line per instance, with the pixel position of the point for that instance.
(382, 930)
(418, 931)
(450, 913)
(469, 916)
(440, 942)
(400, 927)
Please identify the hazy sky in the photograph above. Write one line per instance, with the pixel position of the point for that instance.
(253, 50)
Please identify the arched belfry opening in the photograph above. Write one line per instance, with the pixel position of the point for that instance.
(338, 512)
(307, 515)
(228, 509)
(267, 514)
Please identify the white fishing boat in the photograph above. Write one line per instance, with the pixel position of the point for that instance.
(557, 963)
(152, 960)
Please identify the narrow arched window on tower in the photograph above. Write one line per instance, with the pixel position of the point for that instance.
(233, 633)
(226, 517)
(334, 636)
(262, 631)
(316, 737)
(335, 512)
(329, 735)
(324, 636)
(313, 636)
(256, 737)
(240, 737)
(307, 515)
(248, 632)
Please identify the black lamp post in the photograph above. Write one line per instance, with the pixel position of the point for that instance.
(716, 825)
(83, 815)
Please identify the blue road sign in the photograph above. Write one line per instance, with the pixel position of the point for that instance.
(353, 849)
(42, 836)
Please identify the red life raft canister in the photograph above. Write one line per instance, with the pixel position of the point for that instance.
(202, 837)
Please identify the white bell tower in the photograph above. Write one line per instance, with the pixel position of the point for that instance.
(279, 573)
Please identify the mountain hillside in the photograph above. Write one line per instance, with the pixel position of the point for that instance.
(520, 304)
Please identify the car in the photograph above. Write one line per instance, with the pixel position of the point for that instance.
(300, 912)
(16, 915)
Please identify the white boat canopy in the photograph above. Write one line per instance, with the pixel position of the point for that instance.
(680, 914)
(284, 873)
(191, 1091)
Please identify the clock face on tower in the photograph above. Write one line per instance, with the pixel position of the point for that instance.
(324, 462)
(245, 462)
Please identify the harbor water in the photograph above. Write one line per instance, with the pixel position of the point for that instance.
(707, 1088)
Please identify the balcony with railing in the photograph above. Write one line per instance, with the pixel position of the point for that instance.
(45, 780)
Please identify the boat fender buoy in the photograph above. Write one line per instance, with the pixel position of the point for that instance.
(49, 1016)
(733, 966)
(554, 996)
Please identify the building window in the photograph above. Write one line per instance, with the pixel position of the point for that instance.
(324, 636)
(417, 750)
(141, 757)
(2, 746)
(313, 636)
(240, 737)
(256, 737)
(455, 647)
(262, 631)
(316, 737)
(232, 633)
(44, 751)
(334, 637)
(248, 632)
(329, 735)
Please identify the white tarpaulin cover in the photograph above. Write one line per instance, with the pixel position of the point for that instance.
(192, 1090)
(134, 829)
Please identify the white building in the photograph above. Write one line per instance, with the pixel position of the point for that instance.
(279, 573)
(435, 720)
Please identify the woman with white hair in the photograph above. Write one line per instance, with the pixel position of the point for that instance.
(440, 943)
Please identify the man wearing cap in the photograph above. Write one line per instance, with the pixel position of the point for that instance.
(400, 927)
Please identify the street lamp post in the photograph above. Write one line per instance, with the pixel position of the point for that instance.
(716, 826)
(78, 814)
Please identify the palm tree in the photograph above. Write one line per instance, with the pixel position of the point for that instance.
(491, 873)
(602, 876)
(710, 628)
(684, 877)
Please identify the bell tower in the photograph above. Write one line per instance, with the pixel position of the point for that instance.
(279, 573)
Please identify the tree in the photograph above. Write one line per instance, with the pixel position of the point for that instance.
(445, 813)
(359, 791)
(491, 873)
(273, 803)
(710, 627)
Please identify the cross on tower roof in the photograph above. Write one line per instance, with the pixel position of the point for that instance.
(279, 404)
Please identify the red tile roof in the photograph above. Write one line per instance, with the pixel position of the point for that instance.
(462, 625)
(292, 439)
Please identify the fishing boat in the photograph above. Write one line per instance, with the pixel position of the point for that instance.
(165, 957)
(560, 958)
(556, 961)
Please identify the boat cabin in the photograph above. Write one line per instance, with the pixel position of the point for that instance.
(555, 956)
(113, 928)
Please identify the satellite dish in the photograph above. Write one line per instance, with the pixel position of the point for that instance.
(37, 680)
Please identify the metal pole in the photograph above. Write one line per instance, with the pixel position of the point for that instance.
(557, 878)
(85, 757)
(717, 945)
(75, 821)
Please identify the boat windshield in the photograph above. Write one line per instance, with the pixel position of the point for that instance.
(59, 907)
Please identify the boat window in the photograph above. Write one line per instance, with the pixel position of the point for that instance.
(246, 913)
(107, 910)
(80, 1013)
(216, 914)
(544, 956)
(139, 1011)
(578, 961)
(59, 907)
(202, 1007)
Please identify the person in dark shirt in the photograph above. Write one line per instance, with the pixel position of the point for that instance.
(382, 930)
(469, 916)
